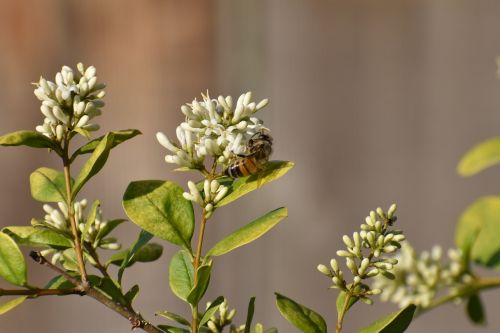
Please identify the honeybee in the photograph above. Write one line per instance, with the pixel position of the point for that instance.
(259, 149)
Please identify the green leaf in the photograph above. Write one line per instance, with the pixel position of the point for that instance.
(90, 218)
(475, 310)
(210, 311)
(94, 164)
(181, 274)
(478, 229)
(32, 236)
(480, 157)
(132, 294)
(48, 185)
(396, 322)
(12, 264)
(27, 138)
(149, 252)
(108, 227)
(143, 239)
(82, 132)
(341, 298)
(119, 137)
(172, 329)
(6, 307)
(70, 262)
(201, 286)
(109, 288)
(59, 282)
(241, 186)
(300, 316)
(174, 317)
(251, 308)
(248, 233)
(258, 328)
(159, 207)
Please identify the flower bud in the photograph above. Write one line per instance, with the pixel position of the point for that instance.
(324, 270)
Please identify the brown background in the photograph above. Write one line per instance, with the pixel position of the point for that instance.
(375, 101)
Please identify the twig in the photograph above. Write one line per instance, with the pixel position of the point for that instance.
(36, 292)
(133, 317)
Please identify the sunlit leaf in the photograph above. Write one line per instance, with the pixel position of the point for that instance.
(396, 322)
(48, 185)
(478, 229)
(6, 307)
(300, 316)
(174, 317)
(248, 233)
(118, 137)
(210, 311)
(27, 138)
(181, 274)
(201, 285)
(12, 264)
(241, 186)
(31, 236)
(94, 164)
(341, 298)
(91, 217)
(480, 157)
(159, 208)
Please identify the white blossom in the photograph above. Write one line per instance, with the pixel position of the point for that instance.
(70, 102)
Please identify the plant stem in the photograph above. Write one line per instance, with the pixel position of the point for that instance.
(341, 315)
(470, 289)
(133, 317)
(36, 292)
(71, 216)
(196, 265)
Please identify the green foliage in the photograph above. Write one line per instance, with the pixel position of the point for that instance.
(12, 264)
(48, 185)
(475, 310)
(118, 137)
(6, 307)
(340, 303)
(198, 290)
(147, 253)
(174, 317)
(248, 233)
(132, 294)
(251, 308)
(27, 138)
(210, 311)
(478, 229)
(480, 157)
(395, 322)
(241, 186)
(130, 255)
(300, 316)
(181, 274)
(159, 208)
(94, 164)
(90, 218)
(32, 236)
(172, 329)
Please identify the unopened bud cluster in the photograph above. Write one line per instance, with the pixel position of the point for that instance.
(58, 218)
(222, 318)
(215, 128)
(208, 197)
(366, 254)
(70, 102)
(419, 279)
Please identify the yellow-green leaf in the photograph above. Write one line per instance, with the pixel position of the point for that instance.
(300, 316)
(48, 185)
(480, 157)
(12, 264)
(181, 274)
(6, 307)
(27, 138)
(241, 186)
(396, 322)
(158, 207)
(26, 235)
(248, 233)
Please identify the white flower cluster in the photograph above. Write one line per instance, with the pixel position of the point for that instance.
(218, 322)
(71, 102)
(364, 253)
(418, 279)
(213, 128)
(59, 219)
(211, 194)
